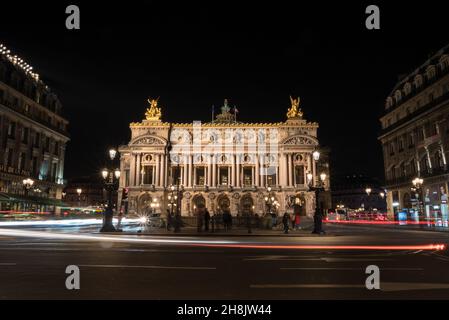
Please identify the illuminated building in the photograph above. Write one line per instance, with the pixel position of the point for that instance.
(223, 164)
(33, 136)
(415, 134)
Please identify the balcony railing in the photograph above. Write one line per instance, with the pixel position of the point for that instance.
(33, 117)
(427, 107)
(424, 174)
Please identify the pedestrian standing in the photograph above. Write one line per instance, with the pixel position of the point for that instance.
(206, 220)
(169, 220)
(297, 221)
(200, 219)
(286, 222)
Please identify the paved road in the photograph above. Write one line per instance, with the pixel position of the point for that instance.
(219, 268)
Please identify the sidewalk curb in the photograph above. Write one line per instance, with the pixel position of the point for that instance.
(217, 234)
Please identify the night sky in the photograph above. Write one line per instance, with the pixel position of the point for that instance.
(195, 55)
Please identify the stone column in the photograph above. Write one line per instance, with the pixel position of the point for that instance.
(163, 171)
(158, 158)
(253, 175)
(214, 172)
(132, 170)
(191, 167)
(237, 168)
(443, 155)
(138, 173)
(289, 170)
(194, 176)
(257, 171)
(309, 163)
(153, 170)
(281, 178)
(304, 181)
(429, 162)
(185, 171)
(314, 179)
(233, 171)
(209, 171)
(277, 175)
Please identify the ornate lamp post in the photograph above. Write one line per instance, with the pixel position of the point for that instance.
(79, 191)
(174, 198)
(368, 192)
(270, 202)
(27, 184)
(417, 183)
(111, 177)
(318, 188)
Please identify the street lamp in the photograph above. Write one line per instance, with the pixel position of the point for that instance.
(269, 200)
(174, 204)
(111, 176)
(27, 184)
(318, 188)
(79, 191)
(417, 183)
(368, 191)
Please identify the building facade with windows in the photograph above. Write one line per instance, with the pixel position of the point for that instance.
(415, 134)
(33, 137)
(223, 164)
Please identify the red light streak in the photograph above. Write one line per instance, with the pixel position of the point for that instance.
(381, 222)
(432, 247)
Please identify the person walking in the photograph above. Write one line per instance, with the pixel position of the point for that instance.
(286, 222)
(206, 220)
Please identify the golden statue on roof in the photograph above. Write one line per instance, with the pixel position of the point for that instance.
(294, 111)
(153, 113)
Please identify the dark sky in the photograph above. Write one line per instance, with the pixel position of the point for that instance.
(197, 54)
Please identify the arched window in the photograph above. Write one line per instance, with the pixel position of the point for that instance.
(389, 102)
(418, 81)
(430, 72)
(444, 62)
(407, 88)
(398, 96)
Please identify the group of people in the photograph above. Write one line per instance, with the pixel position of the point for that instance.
(173, 220)
(204, 218)
(294, 220)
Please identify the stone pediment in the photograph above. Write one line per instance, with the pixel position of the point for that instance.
(148, 140)
(301, 140)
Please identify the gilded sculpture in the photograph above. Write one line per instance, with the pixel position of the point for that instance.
(153, 113)
(294, 111)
